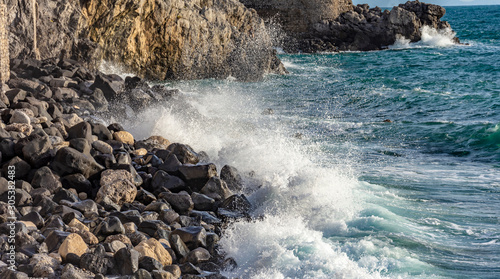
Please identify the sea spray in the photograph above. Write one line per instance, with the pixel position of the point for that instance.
(431, 37)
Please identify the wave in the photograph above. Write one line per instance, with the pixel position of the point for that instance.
(300, 206)
(431, 37)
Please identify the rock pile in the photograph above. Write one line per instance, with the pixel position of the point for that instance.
(91, 201)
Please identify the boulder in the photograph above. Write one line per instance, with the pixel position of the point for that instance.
(162, 180)
(216, 189)
(128, 261)
(231, 176)
(124, 137)
(196, 176)
(44, 178)
(97, 261)
(74, 244)
(197, 256)
(154, 249)
(180, 202)
(184, 153)
(70, 161)
(118, 186)
(194, 236)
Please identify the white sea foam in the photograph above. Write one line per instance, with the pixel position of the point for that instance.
(431, 37)
(303, 204)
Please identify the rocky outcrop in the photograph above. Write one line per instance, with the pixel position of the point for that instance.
(156, 39)
(335, 25)
(373, 29)
(297, 16)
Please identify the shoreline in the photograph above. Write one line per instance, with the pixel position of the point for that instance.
(90, 199)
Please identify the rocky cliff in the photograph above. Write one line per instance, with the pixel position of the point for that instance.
(156, 39)
(297, 16)
(332, 25)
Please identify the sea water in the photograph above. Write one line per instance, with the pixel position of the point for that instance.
(360, 164)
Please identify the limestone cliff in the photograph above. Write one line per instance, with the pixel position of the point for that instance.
(156, 39)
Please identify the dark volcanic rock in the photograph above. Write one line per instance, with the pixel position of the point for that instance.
(127, 261)
(180, 202)
(97, 261)
(70, 161)
(196, 176)
(162, 179)
(44, 178)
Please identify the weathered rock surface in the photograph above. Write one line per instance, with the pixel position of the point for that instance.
(335, 25)
(156, 39)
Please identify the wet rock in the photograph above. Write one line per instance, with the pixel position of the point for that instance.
(118, 186)
(189, 268)
(207, 217)
(216, 189)
(74, 244)
(44, 178)
(81, 130)
(153, 142)
(97, 261)
(150, 264)
(101, 131)
(193, 236)
(87, 207)
(171, 164)
(180, 202)
(196, 176)
(197, 255)
(233, 179)
(70, 161)
(110, 85)
(202, 202)
(63, 194)
(169, 216)
(35, 218)
(81, 145)
(179, 247)
(128, 261)
(184, 153)
(237, 203)
(153, 248)
(150, 227)
(110, 225)
(78, 182)
(162, 179)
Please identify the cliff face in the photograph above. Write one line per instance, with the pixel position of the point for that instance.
(156, 39)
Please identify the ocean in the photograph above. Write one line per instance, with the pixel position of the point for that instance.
(378, 164)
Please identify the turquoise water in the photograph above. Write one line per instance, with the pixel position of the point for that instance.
(338, 191)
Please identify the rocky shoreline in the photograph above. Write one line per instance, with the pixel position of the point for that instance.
(81, 199)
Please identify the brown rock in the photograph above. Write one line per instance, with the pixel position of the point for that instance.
(124, 136)
(118, 186)
(73, 244)
(154, 249)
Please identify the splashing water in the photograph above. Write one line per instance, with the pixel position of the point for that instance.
(431, 37)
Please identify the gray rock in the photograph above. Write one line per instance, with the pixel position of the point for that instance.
(202, 202)
(180, 202)
(184, 153)
(232, 178)
(197, 256)
(127, 261)
(196, 176)
(216, 189)
(150, 264)
(193, 236)
(70, 161)
(44, 178)
(38, 151)
(162, 179)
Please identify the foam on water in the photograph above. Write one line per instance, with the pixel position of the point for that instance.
(302, 204)
(431, 37)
